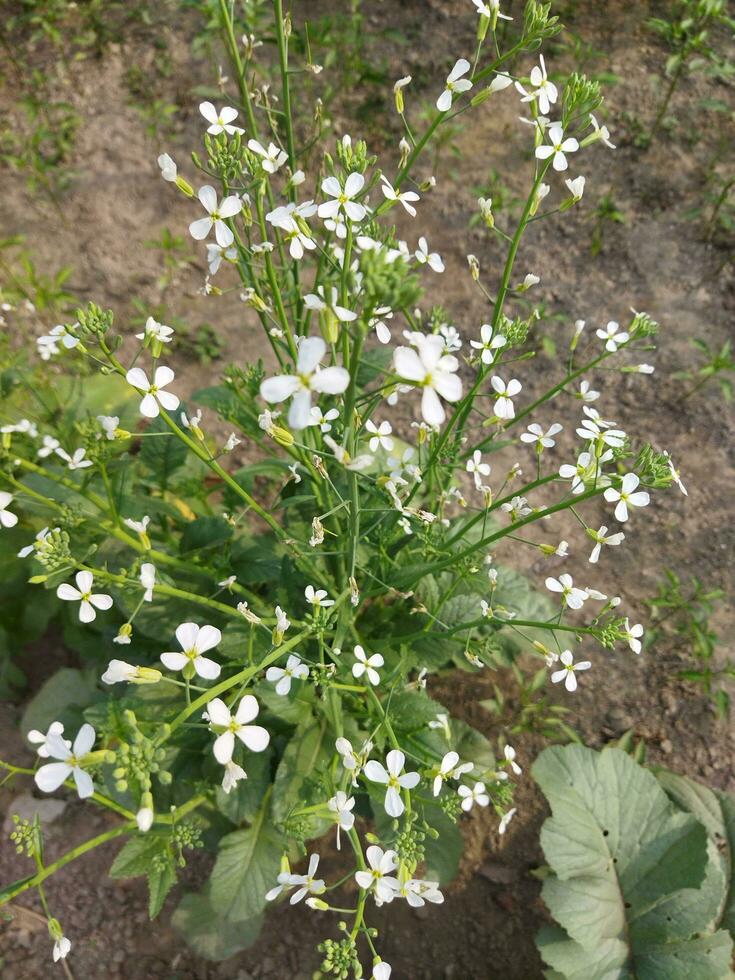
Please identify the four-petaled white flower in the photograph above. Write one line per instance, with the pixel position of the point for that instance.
(572, 597)
(380, 436)
(282, 676)
(77, 460)
(341, 806)
(320, 301)
(600, 538)
(613, 336)
(633, 636)
(317, 597)
(367, 665)
(406, 198)
(220, 122)
(89, 601)
(228, 207)
(39, 739)
(544, 91)
(585, 470)
(323, 419)
(377, 877)
(488, 343)
(455, 84)
(602, 133)
(543, 440)
(342, 200)
(395, 779)
(477, 468)
(567, 672)
(450, 768)
(503, 407)
(305, 884)
(62, 947)
(49, 777)
(154, 395)
(424, 257)
(156, 331)
(272, 159)
(627, 496)
(110, 424)
(434, 371)
(576, 187)
(556, 148)
(309, 377)
(195, 640)
(477, 794)
(7, 517)
(227, 726)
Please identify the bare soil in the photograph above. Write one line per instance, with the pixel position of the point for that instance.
(656, 260)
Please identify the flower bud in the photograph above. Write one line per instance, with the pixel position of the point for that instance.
(144, 816)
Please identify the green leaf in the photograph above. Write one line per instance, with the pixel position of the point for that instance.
(160, 883)
(307, 754)
(247, 866)
(162, 453)
(61, 698)
(244, 800)
(630, 873)
(412, 711)
(207, 933)
(442, 856)
(257, 561)
(205, 532)
(135, 858)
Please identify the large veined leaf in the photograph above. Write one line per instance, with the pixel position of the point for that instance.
(306, 756)
(247, 866)
(208, 934)
(636, 883)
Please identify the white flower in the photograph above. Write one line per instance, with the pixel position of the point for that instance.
(517, 508)
(76, 461)
(572, 597)
(140, 526)
(50, 445)
(601, 537)
(381, 971)
(586, 394)
(148, 580)
(395, 779)
(503, 406)
(273, 158)
(501, 81)
(367, 665)
(284, 218)
(220, 122)
(424, 257)
(434, 371)
(154, 395)
(39, 739)
(83, 594)
(378, 877)
(543, 440)
(477, 468)
(341, 806)
(60, 334)
(216, 253)
(627, 496)
(601, 132)
(49, 777)
(342, 200)
(506, 819)
(195, 640)
(305, 884)
(319, 301)
(585, 470)
(232, 776)
(633, 636)
(299, 386)
(675, 475)
(382, 331)
(488, 343)
(282, 676)
(450, 768)
(576, 187)
(455, 83)
(613, 336)
(317, 597)
(486, 8)
(228, 207)
(120, 672)
(61, 949)
(477, 794)
(544, 91)
(323, 419)
(557, 149)
(510, 756)
(109, 424)
(567, 672)
(380, 436)
(7, 518)
(232, 443)
(406, 198)
(255, 737)
(144, 819)
(156, 331)
(169, 170)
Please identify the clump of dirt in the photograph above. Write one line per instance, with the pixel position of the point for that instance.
(654, 260)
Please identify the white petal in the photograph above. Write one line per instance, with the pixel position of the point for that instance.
(331, 380)
(255, 737)
(174, 660)
(218, 712)
(206, 668)
(311, 351)
(224, 746)
(49, 777)
(200, 228)
(208, 197)
(85, 786)
(247, 709)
